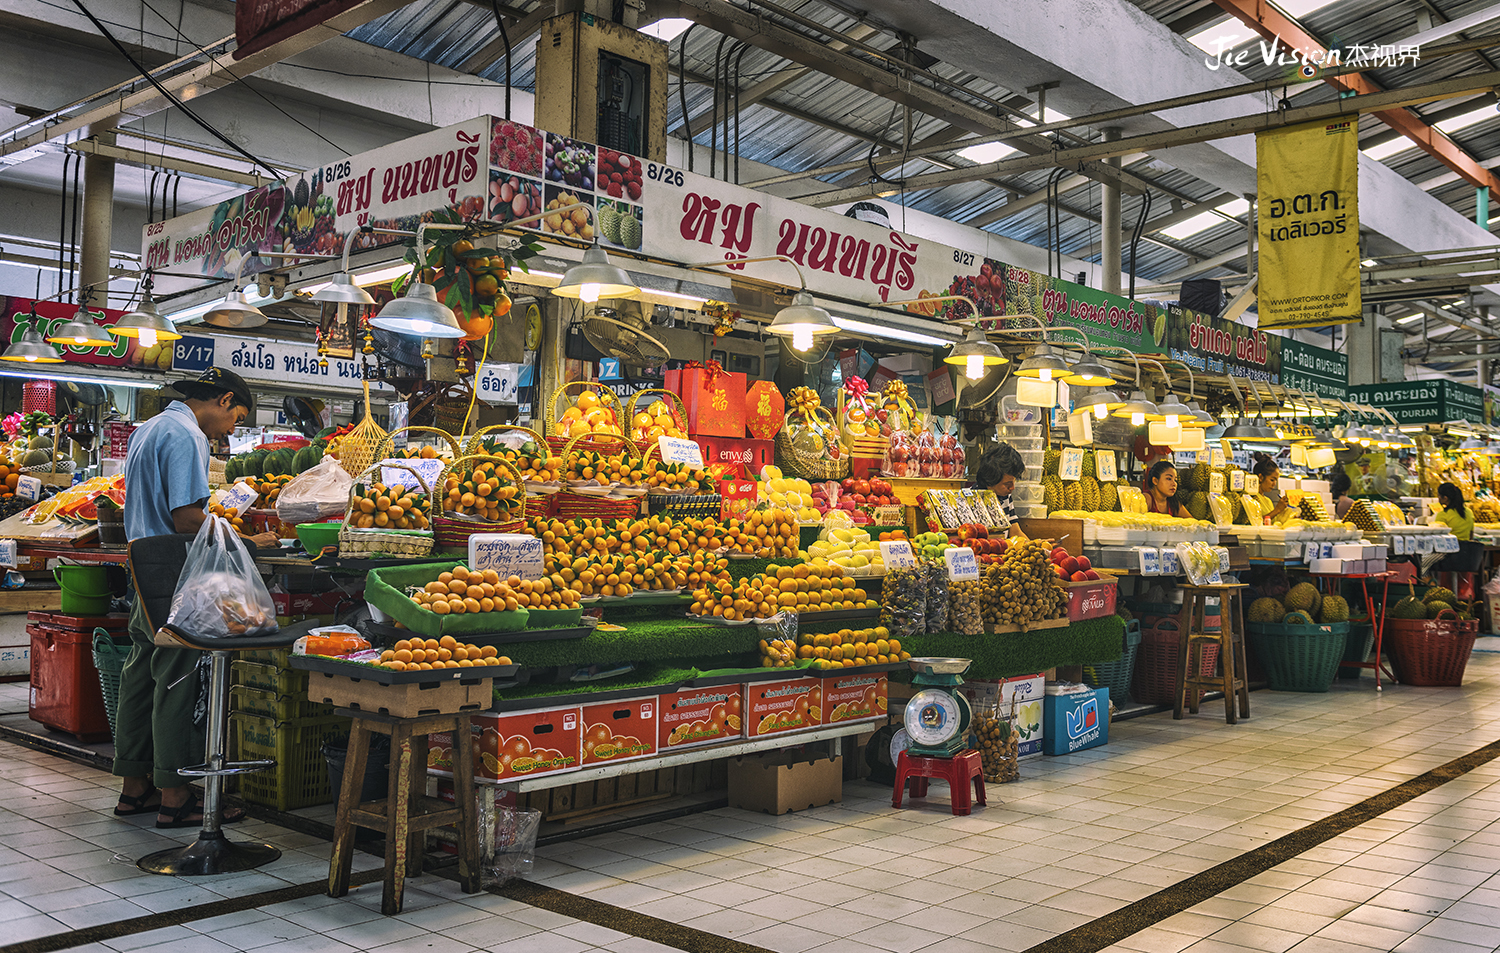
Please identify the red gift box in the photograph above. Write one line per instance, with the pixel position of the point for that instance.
(751, 455)
(715, 401)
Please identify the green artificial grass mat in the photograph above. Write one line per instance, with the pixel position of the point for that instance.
(1019, 653)
(644, 640)
(644, 676)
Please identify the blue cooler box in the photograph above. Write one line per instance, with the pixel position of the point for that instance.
(1074, 722)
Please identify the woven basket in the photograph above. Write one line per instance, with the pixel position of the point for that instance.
(357, 447)
(1298, 658)
(570, 504)
(109, 659)
(454, 531)
(391, 542)
(1117, 675)
(387, 446)
(1429, 651)
(674, 403)
(607, 398)
(812, 466)
(475, 444)
(1156, 663)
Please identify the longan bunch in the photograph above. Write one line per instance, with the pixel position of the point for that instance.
(410, 655)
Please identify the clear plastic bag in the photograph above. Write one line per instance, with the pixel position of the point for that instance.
(315, 494)
(965, 608)
(220, 593)
(936, 572)
(507, 841)
(904, 607)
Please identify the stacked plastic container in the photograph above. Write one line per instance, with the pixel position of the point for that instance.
(1029, 441)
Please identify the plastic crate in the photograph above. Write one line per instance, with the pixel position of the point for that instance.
(1298, 658)
(300, 777)
(1117, 675)
(270, 678)
(280, 658)
(256, 701)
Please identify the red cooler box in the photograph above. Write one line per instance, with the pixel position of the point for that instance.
(65, 692)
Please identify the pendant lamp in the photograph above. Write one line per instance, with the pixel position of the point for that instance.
(146, 325)
(976, 354)
(80, 331)
(30, 348)
(418, 312)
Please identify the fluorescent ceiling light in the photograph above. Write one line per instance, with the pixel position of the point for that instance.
(987, 152)
(1224, 35)
(1407, 320)
(104, 381)
(380, 275)
(1468, 119)
(1370, 262)
(890, 333)
(188, 315)
(690, 299)
(1206, 220)
(1387, 149)
(667, 29)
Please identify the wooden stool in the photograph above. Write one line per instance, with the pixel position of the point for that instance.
(406, 814)
(957, 771)
(1231, 642)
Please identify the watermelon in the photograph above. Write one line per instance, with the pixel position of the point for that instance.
(324, 434)
(232, 469)
(307, 458)
(278, 462)
(255, 463)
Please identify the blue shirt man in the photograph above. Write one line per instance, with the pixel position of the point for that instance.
(166, 469)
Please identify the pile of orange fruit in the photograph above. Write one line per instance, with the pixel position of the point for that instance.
(424, 452)
(235, 520)
(657, 420)
(482, 493)
(410, 655)
(378, 506)
(769, 534)
(10, 477)
(589, 414)
(461, 591)
(269, 487)
(599, 573)
(850, 648)
(794, 589)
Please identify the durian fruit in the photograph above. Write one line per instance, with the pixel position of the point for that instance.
(630, 231)
(1197, 505)
(1197, 477)
(1266, 609)
(1109, 498)
(1335, 609)
(609, 223)
(1051, 460)
(1090, 490)
(1408, 608)
(1072, 495)
(1441, 594)
(1052, 494)
(1089, 467)
(1436, 606)
(1304, 596)
(1297, 617)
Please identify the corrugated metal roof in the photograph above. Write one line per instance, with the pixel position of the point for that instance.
(450, 32)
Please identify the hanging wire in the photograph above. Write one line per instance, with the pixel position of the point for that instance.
(151, 198)
(740, 58)
(176, 184)
(505, 39)
(713, 133)
(62, 219)
(1135, 236)
(73, 230)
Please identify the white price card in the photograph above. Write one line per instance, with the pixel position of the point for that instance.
(1311, 552)
(1104, 466)
(509, 554)
(897, 554)
(962, 563)
(1223, 552)
(1217, 459)
(1204, 456)
(1072, 464)
(1237, 481)
(1216, 482)
(678, 450)
(498, 383)
(29, 488)
(1398, 546)
(1169, 561)
(1411, 546)
(239, 498)
(394, 476)
(1150, 561)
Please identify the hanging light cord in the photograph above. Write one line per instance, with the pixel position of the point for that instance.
(1135, 237)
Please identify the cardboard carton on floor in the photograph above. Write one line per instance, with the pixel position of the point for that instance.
(781, 781)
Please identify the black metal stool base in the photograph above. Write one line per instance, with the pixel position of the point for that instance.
(212, 853)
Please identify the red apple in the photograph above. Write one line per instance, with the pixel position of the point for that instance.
(1069, 565)
(1059, 554)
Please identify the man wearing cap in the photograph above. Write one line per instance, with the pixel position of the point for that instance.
(166, 490)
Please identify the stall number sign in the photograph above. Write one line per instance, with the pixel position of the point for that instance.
(397, 476)
(678, 450)
(897, 554)
(1237, 481)
(509, 554)
(29, 488)
(1104, 465)
(1216, 482)
(498, 383)
(1071, 467)
(962, 563)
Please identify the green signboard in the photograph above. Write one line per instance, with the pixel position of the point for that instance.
(1423, 402)
(1315, 369)
(1105, 318)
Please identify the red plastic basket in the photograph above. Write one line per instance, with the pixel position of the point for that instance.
(1156, 664)
(577, 506)
(454, 534)
(39, 395)
(1428, 651)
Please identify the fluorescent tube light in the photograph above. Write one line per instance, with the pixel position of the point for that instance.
(1206, 220)
(1385, 150)
(890, 333)
(103, 381)
(667, 29)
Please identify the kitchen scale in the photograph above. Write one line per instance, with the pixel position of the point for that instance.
(937, 717)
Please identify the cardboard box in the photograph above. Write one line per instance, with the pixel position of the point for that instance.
(854, 698)
(714, 408)
(1091, 600)
(731, 452)
(1076, 721)
(617, 731)
(781, 781)
(699, 716)
(1027, 690)
(401, 701)
(516, 745)
(786, 705)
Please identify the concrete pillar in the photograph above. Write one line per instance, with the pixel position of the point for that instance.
(98, 220)
(1364, 349)
(1110, 226)
(1250, 236)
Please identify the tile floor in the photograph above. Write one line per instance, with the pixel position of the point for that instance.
(1076, 838)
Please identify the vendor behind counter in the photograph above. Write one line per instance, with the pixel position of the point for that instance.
(998, 470)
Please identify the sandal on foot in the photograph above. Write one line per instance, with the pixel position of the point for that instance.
(137, 805)
(184, 814)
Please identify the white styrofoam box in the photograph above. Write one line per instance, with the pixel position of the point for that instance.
(1331, 566)
(1354, 566)
(1348, 551)
(1375, 565)
(15, 645)
(1315, 486)
(1372, 552)
(1028, 691)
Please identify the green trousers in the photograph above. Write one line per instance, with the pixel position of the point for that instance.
(154, 732)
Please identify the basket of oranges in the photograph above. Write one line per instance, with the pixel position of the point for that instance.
(480, 494)
(393, 519)
(596, 410)
(603, 476)
(445, 446)
(656, 412)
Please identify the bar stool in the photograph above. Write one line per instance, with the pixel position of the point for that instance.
(1193, 637)
(406, 814)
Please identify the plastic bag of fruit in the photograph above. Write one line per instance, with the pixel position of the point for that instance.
(937, 609)
(857, 416)
(904, 607)
(315, 494)
(220, 593)
(901, 455)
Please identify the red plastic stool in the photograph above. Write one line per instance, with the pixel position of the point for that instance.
(956, 770)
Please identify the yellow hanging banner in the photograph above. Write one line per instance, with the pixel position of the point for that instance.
(1308, 211)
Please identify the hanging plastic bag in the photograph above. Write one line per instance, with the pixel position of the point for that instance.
(315, 494)
(936, 573)
(220, 593)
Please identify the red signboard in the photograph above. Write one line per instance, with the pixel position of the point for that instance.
(261, 23)
(16, 314)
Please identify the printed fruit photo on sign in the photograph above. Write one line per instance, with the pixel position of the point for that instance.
(621, 223)
(515, 148)
(513, 197)
(575, 223)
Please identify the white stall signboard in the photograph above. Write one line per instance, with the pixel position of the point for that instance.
(1071, 467)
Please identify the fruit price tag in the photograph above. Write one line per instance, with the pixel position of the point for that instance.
(1237, 481)
(897, 554)
(1216, 482)
(236, 499)
(889, 515)
(1169, 561)
(1205, 456)
(1223, 552)
(30, 488)
(1218, 459)
(497, 383)
(678, 450)
(1071, 467)
(1412, 548)
(1104, 466)
(509, 554)
(1150, 560)
(962, 563)
(394, 476)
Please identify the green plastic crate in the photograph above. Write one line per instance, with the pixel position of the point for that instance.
(257, 701)
(270, 678)
(277, 657)
(300, 777)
